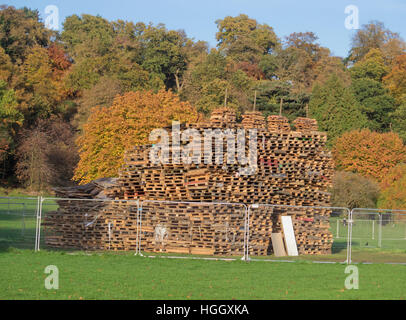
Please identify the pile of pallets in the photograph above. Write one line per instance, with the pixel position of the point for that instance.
(223, 117)
(292, 168)
(253, 119)
(278, 124)
(305, 124)
(91, 225)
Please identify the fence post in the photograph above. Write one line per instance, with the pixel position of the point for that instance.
(246, 256)
(349, 235)
(373, 229)
(338, 229)
(380, 231)
(39, 218)
(36, 225)
(139, 229)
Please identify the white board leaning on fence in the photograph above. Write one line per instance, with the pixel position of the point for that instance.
(289, 233)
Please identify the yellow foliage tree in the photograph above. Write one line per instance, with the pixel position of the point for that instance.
(393, 186)
(128, 122)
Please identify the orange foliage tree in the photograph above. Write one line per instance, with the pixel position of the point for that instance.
(396, 79)
(128, 122)
(393, 185)
(369, 153)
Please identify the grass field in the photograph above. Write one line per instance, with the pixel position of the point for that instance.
(123, 276)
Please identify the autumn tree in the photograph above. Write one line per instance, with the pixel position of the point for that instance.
(398, 123)
(298, 61)
(46, 155)
(10, 120)
(100, 95)
(373, 35)
(21, 30)
(369, 153)
(208, 82)
(6, 66)
(39, 85)
(393, 186)
(128, 122)
(351, 190)
(328, 65)
(395, 80)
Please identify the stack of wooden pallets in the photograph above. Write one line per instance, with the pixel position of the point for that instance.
(253, 119)
(292, 168)
(305, 124)
(278, 124)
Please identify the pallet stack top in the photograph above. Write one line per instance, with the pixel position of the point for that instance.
(293, 167)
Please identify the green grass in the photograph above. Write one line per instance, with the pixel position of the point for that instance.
(123, 276)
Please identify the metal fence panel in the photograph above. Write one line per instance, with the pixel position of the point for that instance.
(378, 235)
(18, 222)
(193, 228)
(89, 224)
(188, 228)
(319, 231)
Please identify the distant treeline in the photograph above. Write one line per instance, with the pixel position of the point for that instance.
(66, 97)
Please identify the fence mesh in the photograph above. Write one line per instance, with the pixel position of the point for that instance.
(193, 228)
(18, 217)
(88, 224)
(319, 231)
(378, 236)
(208, 229)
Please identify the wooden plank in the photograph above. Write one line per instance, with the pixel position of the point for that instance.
(289, 235)
(278, 245)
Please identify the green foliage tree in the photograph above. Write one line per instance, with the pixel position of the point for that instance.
(335, 108)
(244, 39)
(206, 84)
(376, 104)
(10, 120)
(271, 93)
(371, 66)
(20, 30)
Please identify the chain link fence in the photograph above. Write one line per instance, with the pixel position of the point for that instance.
(169, 228)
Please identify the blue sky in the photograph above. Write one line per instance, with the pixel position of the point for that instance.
(323, 17)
